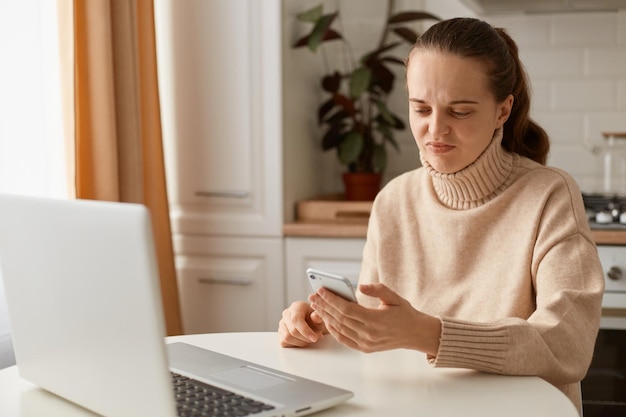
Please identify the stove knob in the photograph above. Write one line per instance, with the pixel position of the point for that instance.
(614, 273)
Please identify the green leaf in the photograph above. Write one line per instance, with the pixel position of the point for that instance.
(380, 157)
(350, 148)
(311, 15)
(319, 31)
(360, 81)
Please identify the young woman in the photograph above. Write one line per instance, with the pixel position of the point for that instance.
(483, 257)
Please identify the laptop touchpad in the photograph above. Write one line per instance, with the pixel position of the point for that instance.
(250, 378)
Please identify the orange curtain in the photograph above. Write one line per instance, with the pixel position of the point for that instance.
(117, 121)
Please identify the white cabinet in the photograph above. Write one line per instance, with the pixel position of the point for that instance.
(220, 83)
(340, 256)
(229, 284)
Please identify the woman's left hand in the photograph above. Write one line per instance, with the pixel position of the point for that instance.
(394, 324)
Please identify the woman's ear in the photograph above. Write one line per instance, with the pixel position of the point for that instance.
(504, 110)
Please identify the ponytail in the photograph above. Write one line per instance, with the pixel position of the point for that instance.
(521, 134)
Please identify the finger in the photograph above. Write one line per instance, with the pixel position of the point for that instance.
(301, 329)
(382, 292)
(296, 326)
(290, 337)
(316, 319)
(287, 339)
(338, 312)
(345, 337)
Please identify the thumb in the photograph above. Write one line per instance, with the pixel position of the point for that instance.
(315, 318)
(382, 292)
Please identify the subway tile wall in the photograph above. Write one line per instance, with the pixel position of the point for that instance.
(577, 66)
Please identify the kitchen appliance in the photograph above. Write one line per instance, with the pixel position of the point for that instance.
(604, 386)
(605, 211)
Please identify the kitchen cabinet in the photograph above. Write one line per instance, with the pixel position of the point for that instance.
(229, 283)
(340, 256)
(220, 85)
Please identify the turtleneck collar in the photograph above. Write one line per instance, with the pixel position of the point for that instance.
(479, 182)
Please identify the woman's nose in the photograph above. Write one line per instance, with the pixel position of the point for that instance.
(437, 125)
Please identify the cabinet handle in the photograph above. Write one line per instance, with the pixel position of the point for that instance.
(223, 194)
(225, 281)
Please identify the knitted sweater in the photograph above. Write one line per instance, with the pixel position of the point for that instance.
(502, 253)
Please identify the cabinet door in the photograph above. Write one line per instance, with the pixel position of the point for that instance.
(220, 88)
(229, 284)
(340, 256)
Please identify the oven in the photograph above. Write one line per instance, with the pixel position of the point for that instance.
(604, 386)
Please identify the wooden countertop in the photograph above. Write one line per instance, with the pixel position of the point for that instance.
(331, 216)
(359, 230)
(325, 229)
(609, 237)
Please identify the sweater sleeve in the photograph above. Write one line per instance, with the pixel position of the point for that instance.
(556, 341)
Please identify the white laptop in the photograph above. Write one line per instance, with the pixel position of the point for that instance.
(85, 308)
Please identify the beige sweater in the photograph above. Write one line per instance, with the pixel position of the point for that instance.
(502, 253)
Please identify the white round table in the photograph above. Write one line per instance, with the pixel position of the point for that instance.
(394, 383)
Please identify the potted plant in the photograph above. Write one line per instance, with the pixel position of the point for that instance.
(356, 120)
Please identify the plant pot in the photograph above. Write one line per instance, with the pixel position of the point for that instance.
(361, 186)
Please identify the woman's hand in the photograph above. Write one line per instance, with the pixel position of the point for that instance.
(394, 324)
(300, 326)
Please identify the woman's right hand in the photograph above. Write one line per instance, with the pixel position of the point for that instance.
(300, 326)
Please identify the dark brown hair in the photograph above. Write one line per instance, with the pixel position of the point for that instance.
(474, 38)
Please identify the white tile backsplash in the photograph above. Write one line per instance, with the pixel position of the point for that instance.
(583, 94)
(576, 63)
(621, 95)
(540, 61)
(605, 61)
(584, 29)
(563, 128)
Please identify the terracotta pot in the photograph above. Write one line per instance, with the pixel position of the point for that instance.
(361, 186)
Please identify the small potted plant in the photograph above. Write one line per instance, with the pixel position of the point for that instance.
(356, 120)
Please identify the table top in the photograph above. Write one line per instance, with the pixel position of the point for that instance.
(398, 382)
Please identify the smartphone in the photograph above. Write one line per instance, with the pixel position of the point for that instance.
(335, 283)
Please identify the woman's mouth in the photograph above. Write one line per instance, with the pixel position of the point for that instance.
(439, 147)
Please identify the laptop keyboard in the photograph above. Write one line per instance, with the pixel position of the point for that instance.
(196, 399)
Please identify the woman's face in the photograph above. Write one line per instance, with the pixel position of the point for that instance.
(452, 112)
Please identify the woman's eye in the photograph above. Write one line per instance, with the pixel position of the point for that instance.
(421, 110)
(460, 114)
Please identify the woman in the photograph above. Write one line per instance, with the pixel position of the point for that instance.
(482, 258)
